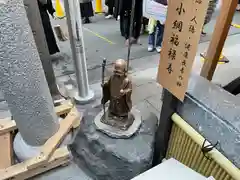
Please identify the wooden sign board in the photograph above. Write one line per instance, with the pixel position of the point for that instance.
(182, 32)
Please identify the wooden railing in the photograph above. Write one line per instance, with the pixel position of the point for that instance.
(186, 145)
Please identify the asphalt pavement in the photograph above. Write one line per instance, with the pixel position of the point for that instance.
(102, 38)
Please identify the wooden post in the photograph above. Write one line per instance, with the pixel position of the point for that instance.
(220, 33)
(6, 150)
(170, 103)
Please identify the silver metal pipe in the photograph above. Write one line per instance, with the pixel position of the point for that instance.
(74, 21)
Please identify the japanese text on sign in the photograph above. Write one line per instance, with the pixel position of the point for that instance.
(182, 32)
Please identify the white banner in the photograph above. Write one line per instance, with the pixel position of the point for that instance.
(3, 1)
(155, 9)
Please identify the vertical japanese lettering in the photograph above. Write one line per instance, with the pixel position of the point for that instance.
(192, 29)
(178, 25)
(187, 46)
(198, 1)
(174, 40)
(185, 54)
(180, 9)
(172, 54)
(194, 20)
(169, 68)
(184, 63)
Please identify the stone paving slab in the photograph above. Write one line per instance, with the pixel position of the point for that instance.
(145, 91)
(156, 102)
(146, 107)
(110, 30)
(70, 172)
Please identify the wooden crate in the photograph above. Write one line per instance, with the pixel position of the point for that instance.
(50, 155)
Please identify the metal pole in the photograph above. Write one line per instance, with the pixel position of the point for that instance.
(130, 32)
(103, 76)
(72, 8)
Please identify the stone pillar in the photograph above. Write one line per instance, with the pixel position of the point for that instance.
(22, 77)
(35, 22)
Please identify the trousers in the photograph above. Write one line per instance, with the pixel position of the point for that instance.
(157, 35)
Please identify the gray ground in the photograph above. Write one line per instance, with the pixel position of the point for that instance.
(102, 39)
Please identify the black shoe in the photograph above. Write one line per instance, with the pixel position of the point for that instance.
(86, 21)
(203, 33)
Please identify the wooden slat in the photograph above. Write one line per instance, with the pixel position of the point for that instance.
(50, 146)
(64, 108)
(20, 171)
(10, 125)
(7, 126)
(218, 38)
(6, 150)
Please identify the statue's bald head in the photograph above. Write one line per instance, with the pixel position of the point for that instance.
(120, 67)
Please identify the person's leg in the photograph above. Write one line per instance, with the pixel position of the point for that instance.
(137, 27)
(122, 28)
(82, 10)
(203, 33)
(87, 20)
(238, 6)
(110, 11)
(138, 20)
(87, 12)
(144, 25)
(49, 34)
(127, 19)
(151, 41)
(160, 31)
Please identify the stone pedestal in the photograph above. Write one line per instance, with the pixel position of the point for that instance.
(106, 158)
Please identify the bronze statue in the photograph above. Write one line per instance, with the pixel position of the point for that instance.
(118, 90)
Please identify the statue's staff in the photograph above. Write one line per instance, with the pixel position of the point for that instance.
(130, 32)
(103, 76)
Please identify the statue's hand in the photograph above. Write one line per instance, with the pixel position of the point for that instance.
(122, 92)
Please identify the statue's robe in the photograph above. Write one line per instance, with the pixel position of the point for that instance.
(120, 105)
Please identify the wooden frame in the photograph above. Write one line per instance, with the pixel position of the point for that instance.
(6, 150)
(219, 36)
(50, 155)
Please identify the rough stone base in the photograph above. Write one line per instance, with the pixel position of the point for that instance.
(105, 158)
